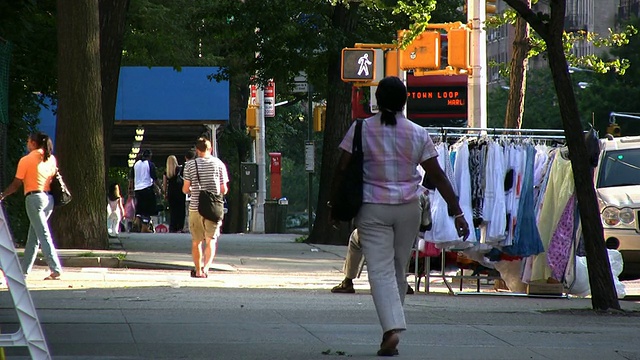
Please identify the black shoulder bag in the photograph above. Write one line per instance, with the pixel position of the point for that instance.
(59, 191)
(347, 197)
(210, 204)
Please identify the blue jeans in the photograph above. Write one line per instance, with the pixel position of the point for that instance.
(39, 207)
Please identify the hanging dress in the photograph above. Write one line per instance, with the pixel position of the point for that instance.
(443, 231)
(559, 189)
(462, 179)
(526, 237)
(494, 206)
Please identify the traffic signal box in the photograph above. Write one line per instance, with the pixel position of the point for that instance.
(319, 118)
(358, 65)
(458, 41)
(422, 53)
(252, 116)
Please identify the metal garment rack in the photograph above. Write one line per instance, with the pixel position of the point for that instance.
(30, 333)
(537, 134)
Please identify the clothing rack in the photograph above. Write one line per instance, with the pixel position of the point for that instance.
(538, 134)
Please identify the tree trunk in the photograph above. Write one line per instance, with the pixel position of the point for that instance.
(112, 24)
(79, 134)
(338, 122)
(518, 75)
(600, 278)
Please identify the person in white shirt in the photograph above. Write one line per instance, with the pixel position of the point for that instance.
(143, 181)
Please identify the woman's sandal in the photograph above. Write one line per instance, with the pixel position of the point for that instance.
(53, 276)
(389, 344)
(195, 275)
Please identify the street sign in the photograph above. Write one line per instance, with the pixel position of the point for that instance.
(358, 64)
(309, 156)
(300, 87)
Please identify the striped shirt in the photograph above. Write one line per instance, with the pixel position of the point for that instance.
(391, 156)
(212, 173)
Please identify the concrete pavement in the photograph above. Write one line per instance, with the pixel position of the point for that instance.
(268, 298)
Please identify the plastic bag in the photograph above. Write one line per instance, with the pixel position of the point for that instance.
(581, 285)
(130, 209)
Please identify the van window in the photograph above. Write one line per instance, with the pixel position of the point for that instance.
(619, 168)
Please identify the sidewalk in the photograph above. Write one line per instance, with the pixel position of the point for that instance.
(268, 298)
(272, 260)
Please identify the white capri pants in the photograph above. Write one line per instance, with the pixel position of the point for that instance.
(387, 233)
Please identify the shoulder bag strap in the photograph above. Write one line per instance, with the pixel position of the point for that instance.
(197, 173)
(357, 139)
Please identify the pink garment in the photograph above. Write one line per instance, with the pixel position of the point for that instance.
(391, 154)
(561, 241)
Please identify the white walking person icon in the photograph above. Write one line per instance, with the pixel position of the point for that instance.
(364, 63)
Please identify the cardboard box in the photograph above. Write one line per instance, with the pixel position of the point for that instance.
(545, 289)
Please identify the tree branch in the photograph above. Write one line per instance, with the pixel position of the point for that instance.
(524, 10)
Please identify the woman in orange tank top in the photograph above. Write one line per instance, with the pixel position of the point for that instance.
(34, 173)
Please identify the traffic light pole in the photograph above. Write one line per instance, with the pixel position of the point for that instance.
(477, 83)
(310, 138)
(258, 211)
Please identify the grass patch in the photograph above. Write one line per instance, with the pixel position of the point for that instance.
(302, 239)
(121, 256)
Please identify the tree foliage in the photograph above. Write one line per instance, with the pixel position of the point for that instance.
(29, 26)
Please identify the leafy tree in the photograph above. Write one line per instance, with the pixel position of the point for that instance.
(541, 104)
(550, 27)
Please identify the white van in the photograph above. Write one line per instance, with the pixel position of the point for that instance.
(617, 182)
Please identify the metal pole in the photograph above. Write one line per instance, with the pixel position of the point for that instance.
(477, 83)
(310, 138)
(258, 215)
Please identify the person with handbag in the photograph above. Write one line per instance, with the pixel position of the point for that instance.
(35, 172)
(388, 219)
(204, 177)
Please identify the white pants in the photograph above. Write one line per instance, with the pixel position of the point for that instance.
(387, 233)
(354, 259)
(113, 222)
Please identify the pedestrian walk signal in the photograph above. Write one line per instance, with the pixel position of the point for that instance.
(358, 64)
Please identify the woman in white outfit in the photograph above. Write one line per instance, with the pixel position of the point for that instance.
(389, 219)
(115, 210)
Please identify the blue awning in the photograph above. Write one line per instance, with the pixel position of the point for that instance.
(166, 94)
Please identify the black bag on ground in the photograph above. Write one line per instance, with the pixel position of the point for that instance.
(210, 204)
(347, 197)
(59, 190)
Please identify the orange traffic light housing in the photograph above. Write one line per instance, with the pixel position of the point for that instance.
(391, 63)
(252, 116)
(319, 118)
(458, 41)
(422, 53)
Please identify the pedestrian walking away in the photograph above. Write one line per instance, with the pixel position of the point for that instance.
(205, 172)
(115, 210)
(389, 219)
(172, 189)
(34, 173)
(142, 179)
